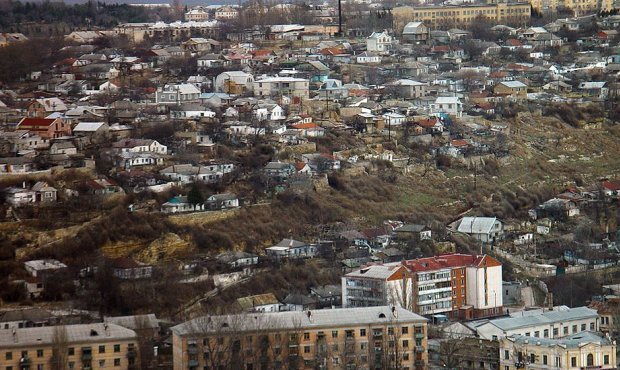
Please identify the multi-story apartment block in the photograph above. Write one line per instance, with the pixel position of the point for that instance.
(282, 86)
(354, 338)
(460, 285)
(446, 17)
(84, 346)
(560, 322)
(579, 7)
(226, 12)
(587, 350)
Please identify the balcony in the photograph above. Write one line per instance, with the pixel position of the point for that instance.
(87, 356)
(192, 350)
(192, 363)
(419, 335)
(418, 362)
(419, 349)
(132, 353)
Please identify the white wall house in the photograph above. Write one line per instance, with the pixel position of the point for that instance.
(379, 42)
(447, 104)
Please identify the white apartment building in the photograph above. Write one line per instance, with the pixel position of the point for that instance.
(379, 42)
(197, 15)
(226, 12)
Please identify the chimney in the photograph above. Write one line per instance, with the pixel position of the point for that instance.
(14, 335)
(309, 314)
(105, 329)
(550, 301)
(394, 312)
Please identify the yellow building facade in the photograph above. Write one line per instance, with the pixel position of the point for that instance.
(88, 346)
(446, 17)
(579, 7)
(355, 338)
(585, 350)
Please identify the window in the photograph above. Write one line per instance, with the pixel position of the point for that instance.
(334, 333)
(306, 349)
(555, 332)
(39, 353)
(527, 334)
(590, 359)
(101, 349)
(574, 328)
(117, 348)
(24, 354)
(558, 362)
(405, 330)
(532, 358)
(583, 327)
(565, 330)
(334, 347)
(592, 326)
(544, 359)
(117, 362)
(390, 331)
(606, 360)
(537, 334)
(8, 355)
(39, 367)
(573, 361)
(362, 332)
(306, 336)
(506, 355)
(546, 333)
(405, 344)
(71, 351)
(101, 363)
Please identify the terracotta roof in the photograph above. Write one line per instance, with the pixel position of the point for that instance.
(428, 123)
(450, 261)
(36, 122)
(459, 143)
(613, 185)
(306, 126)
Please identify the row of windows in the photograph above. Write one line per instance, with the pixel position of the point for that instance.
(70, 351)
(456, 13)
(534, 358)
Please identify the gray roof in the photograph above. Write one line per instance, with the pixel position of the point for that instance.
(82, 333)
(577, 313)
(291, 243)
(476, 225)
(293, 320)
(375, 271)
(134, 322)
(572, 341)
(411, 228)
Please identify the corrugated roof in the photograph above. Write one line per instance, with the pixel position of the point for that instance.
(549, 317)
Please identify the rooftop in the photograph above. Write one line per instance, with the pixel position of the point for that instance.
(82, 333)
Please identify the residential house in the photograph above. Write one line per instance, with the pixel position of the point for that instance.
(226, 13)
(46, 128)
(17, 196)
(43, 268)
(43, 193)
(367, 58)
(379, 42)
(42, 108)
(291, 249)
(594, 89)
(234, 82)
(409, 231)
(177, 94)
(236, 259)
(328, 296)
(259, 303)
(222, 201)
(63, 147)
(282, 86)
(308, 129)
(278, 170)
(416, 33)
(484, 229)
(298, 302)
(408, 89)
(515, 89)
(211, 61)
(127, 268)
(448, 105)
(140, 146)
(103, 187)
(188, 173)
(180, 204)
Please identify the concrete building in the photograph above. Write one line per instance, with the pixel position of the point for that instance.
(585, 350)
(196, 15)
(560, 322)
(282, 86)
(459, 285)
(177, 94)
(233, 82)
(461, 16)
(354, 338)
(579, 7)
(514, 89)
(85, 346)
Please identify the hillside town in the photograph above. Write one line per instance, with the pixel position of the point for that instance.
(310, 185)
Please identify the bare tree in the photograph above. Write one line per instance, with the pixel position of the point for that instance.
(145, 341)
(60, 348)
